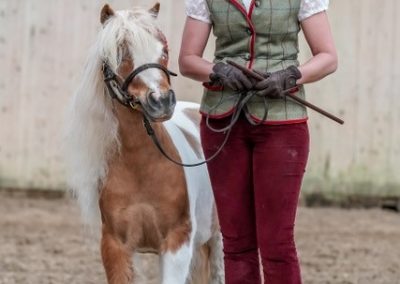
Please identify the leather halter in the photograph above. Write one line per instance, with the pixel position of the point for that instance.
(120, 92)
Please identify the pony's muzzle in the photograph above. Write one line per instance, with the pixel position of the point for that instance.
(160, 107)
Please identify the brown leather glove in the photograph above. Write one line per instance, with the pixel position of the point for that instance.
(276, 82)
(231, 77)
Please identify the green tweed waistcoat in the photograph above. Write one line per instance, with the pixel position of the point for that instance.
(264, 39)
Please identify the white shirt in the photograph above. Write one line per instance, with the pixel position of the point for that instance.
(198, 9)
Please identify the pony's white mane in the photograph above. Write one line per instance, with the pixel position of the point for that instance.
(92, 128)
(135, 29)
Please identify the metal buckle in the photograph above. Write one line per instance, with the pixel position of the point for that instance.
(133, 105)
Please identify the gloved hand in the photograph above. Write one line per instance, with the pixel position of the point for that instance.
(276, 82)
(231, 77)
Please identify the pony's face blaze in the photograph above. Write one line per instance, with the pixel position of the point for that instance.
(151, 86)
(138, 43)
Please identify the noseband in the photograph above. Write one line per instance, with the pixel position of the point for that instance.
(120, 92)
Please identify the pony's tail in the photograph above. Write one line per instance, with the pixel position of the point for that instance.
(91, 137)
(208, 264)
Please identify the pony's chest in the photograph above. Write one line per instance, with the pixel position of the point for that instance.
(158, 187)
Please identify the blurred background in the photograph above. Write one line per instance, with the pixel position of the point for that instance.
(43, 46)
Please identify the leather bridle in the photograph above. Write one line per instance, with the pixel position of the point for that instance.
(120, 92)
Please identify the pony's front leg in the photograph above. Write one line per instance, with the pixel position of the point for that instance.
(175, 265)
(117, 259)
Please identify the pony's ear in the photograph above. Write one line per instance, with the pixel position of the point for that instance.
(106, 13)
(154, 11)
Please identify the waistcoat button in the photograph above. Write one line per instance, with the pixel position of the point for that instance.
(248, 31)
(247, 56)
(257, 3)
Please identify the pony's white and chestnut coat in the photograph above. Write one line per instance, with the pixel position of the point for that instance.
(146, 202)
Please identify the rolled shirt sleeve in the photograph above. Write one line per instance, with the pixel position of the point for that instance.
(197, 9)
(312, 7)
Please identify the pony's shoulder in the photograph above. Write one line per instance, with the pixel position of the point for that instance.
(184, 129)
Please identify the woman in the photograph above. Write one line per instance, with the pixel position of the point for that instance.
(257, 177)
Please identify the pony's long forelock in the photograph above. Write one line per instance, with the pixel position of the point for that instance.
(136, 31)
(92, 128)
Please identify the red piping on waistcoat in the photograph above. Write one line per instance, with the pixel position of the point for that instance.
(253, 36)
(218, 116)
(279, 122)
(255, 119)
(212, 88)
(251, 27)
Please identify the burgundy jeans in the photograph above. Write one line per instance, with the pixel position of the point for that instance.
(256, 182)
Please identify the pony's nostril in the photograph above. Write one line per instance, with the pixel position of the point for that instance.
(152, 101)
(172, 98)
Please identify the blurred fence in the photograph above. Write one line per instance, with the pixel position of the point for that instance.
(43, 45)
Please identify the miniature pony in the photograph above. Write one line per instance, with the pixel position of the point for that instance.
(145, 202)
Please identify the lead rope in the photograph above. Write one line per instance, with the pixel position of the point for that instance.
(151, 133)
(235, 116)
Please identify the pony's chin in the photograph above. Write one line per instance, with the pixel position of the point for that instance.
(156, 116)
(160, 119)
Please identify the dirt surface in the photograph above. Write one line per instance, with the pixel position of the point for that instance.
(42, 241)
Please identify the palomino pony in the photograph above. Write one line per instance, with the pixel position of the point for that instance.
(147, 203)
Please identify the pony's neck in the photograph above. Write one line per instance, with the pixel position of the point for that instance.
(132, 133)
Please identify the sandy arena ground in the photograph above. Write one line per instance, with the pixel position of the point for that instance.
(42, 242)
